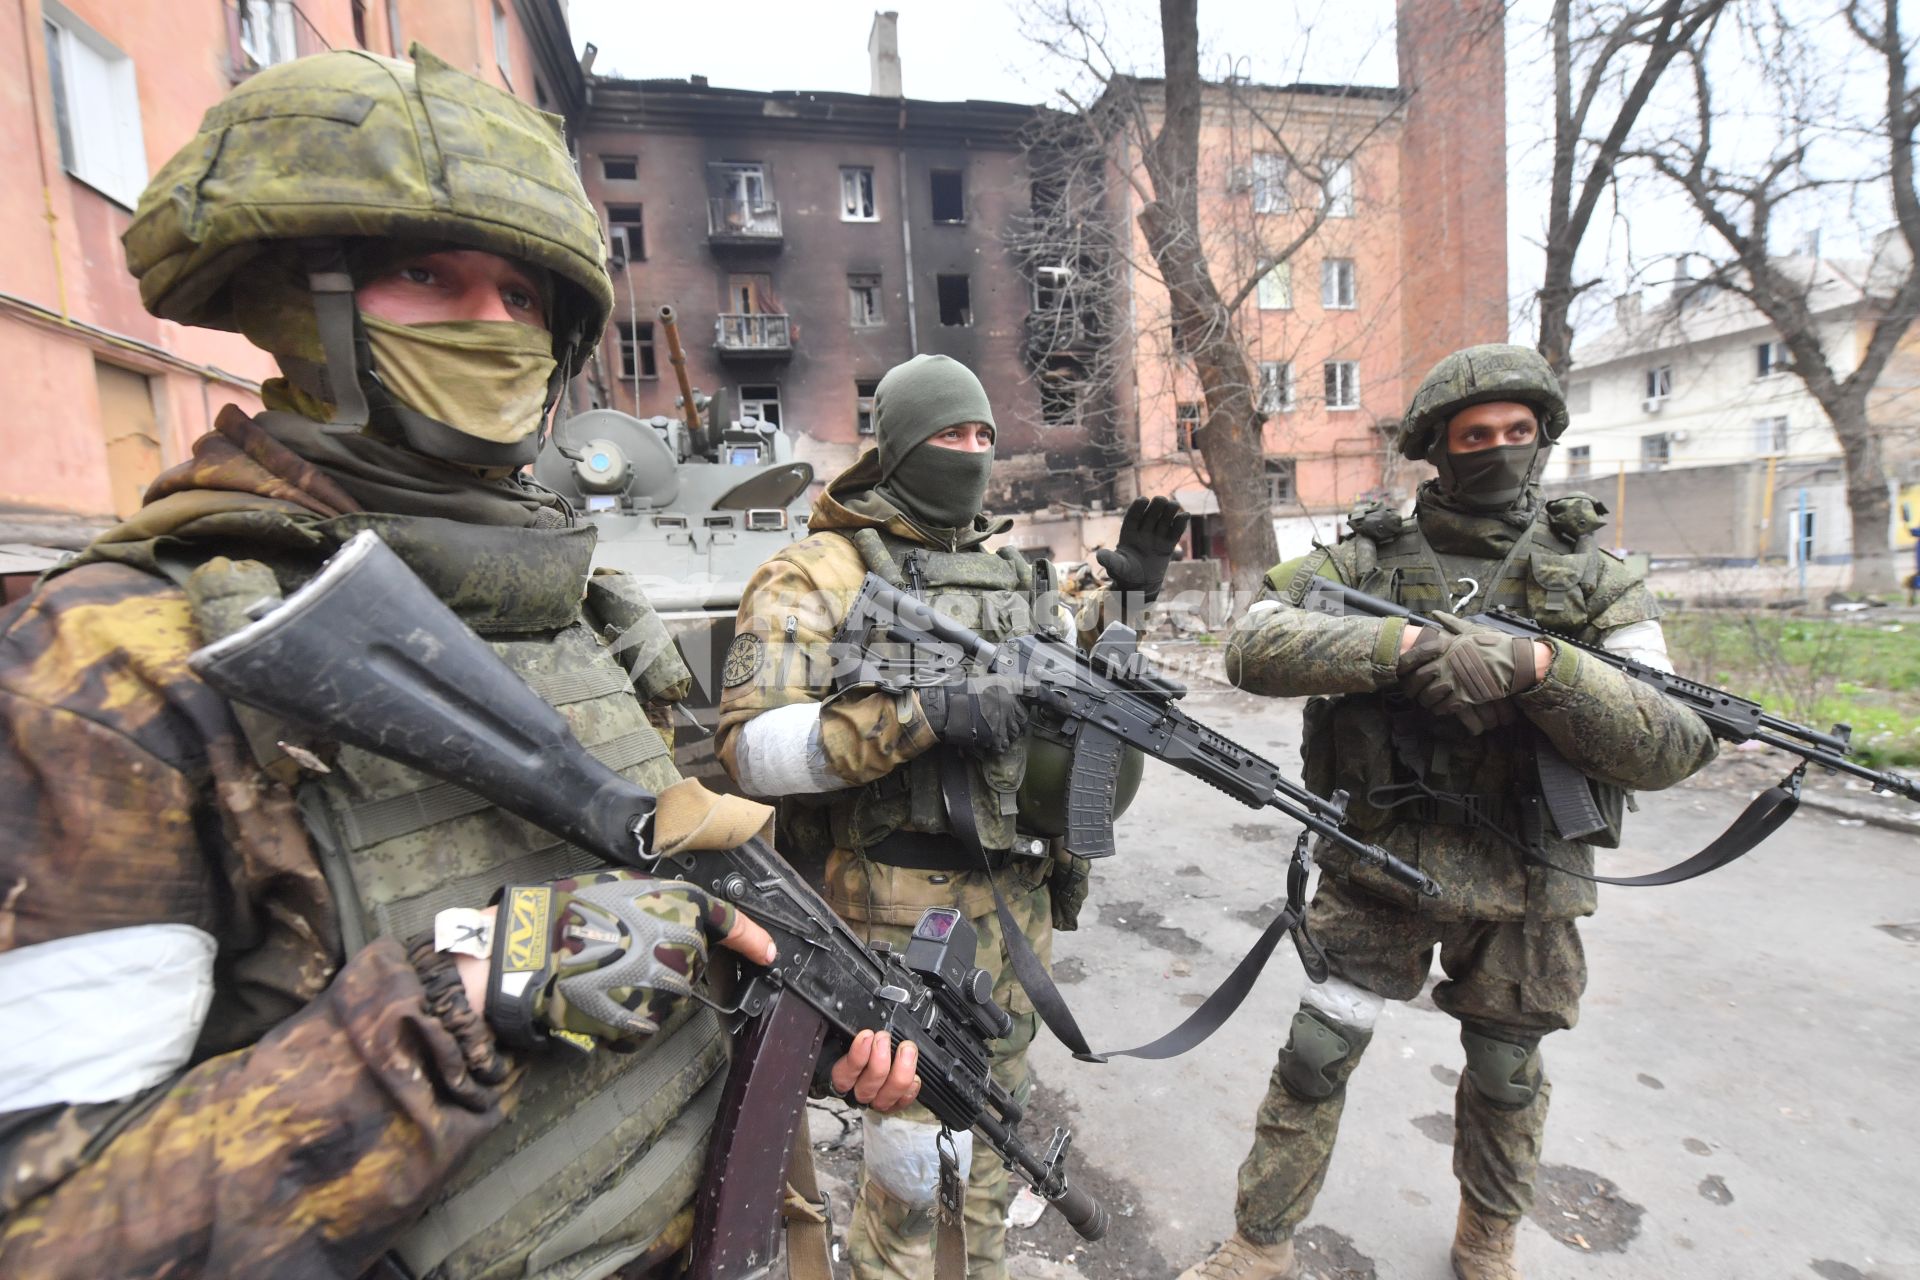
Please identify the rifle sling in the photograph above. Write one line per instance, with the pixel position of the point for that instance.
(956, 787)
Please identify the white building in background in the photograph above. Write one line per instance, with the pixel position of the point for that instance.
(1700, 380)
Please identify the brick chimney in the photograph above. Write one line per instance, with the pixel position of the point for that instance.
(883, 55)
(1453, 176)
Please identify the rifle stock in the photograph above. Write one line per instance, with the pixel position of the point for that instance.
(365, 654)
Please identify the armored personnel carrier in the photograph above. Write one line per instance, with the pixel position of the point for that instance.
(690, 509)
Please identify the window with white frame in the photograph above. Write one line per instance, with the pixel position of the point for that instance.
(856, 195)
(863, 392)
(1338, 289)
(1656, 451)
(1276, 386)
(267, 34)
(1342, 384)
(1579, 461)
(1660, 382)
(1275, 290)
(1769, 358)
(1338, 192)
(627, 233)
(1770, 435)
(760, 400)
(96, 107)
(1269, 180)
(502, 47)
(1187, 415)
(1050, 287)
(1280, 482)
(863, 297)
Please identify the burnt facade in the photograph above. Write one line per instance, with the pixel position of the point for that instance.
(809, 242)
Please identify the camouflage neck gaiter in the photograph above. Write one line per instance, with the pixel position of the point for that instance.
(484, 378)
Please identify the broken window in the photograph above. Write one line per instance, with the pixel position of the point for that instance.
(1187, 415)
(863, 392)
(1338, 288)
(856, 195)
(620, 168)
(1050, 287)
(760, 400)
(863, 295)
(1343, 384)
(1275, 290)
(949, 196)
(637, 358)
(626, 233)
(956, 300)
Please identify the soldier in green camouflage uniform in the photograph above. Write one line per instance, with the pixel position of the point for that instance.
(861, 771)
(234, 1045)
(1430, 733)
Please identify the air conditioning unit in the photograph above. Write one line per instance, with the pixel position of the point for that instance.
(1677, 437)
(1652, 403)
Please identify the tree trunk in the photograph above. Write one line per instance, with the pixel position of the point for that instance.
(1867, 502)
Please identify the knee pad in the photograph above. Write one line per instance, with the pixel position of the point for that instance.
(903, 1156)
(1504, 1072)
(1316, 1049)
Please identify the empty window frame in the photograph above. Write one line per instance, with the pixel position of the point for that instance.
(1275, 290)
(1660, 382)
(955, 295)
(1269, 182)
(1276, 386)
(1769, 358)
(1280, 482)
(96, 107)
(949, 195)
(1059, 401)
(1187, 417)
(863, 390)
(856, 195)
(863, 300)
(620, 168)
(1342, 378)
(1338, 286)
(1770, 435)
(627, 232)
(1050, 286)
(1338, 191)
(1579, 461)
(1656, 451)
(760, 400)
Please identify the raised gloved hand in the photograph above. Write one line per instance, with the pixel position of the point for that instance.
(602, 957)
(1468, 672)
(1148, 534)
(975, 713)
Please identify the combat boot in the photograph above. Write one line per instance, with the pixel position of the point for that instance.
(1239, 1258)
(1483, 1245)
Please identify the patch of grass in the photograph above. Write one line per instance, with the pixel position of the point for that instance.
(1814, 670)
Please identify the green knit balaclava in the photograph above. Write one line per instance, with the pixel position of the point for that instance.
(940, 488)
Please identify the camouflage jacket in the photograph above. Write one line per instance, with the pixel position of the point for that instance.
(1359, 737)
(793, 605)
(323, 1105)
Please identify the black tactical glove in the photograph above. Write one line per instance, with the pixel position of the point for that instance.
(1148, 534)
(1468, 672)
(975, 713)
(601, 957)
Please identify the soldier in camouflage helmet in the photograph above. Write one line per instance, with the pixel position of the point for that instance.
(1430, 732)
(235, 1045)
(861, 771)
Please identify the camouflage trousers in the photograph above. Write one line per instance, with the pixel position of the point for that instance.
(1509, 980)
(893, 1240)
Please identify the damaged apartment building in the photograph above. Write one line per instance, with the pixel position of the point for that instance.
(808, 242)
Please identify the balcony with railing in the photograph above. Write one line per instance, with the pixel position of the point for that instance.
(743, 222)
(752, 336)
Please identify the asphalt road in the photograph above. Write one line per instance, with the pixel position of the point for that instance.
(1737, 1100)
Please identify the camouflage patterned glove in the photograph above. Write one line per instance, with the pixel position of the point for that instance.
(601, 957)
(1468, 672)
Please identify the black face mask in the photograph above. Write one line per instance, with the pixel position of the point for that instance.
(940, 488)
(1487, 479)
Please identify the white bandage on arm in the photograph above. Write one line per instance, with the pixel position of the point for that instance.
(1644, 642)
(778, 753)
(100, 1016)
(1346, 1004)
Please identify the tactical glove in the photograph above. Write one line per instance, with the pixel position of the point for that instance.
(1468, 672)
(1148, 534)
(602, 957)
(975, 713)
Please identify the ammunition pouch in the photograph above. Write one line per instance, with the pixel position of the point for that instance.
(1504, 1072)
(1319, 1056)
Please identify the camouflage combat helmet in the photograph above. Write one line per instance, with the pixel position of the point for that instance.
(1477, 375)
(317, 156)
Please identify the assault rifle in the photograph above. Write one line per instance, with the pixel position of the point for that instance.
(1098, 702)
(364, 653)
(1565, 791)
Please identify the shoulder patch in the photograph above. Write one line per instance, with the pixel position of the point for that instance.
(744, 657)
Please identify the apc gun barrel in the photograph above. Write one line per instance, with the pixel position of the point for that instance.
(670, 329)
